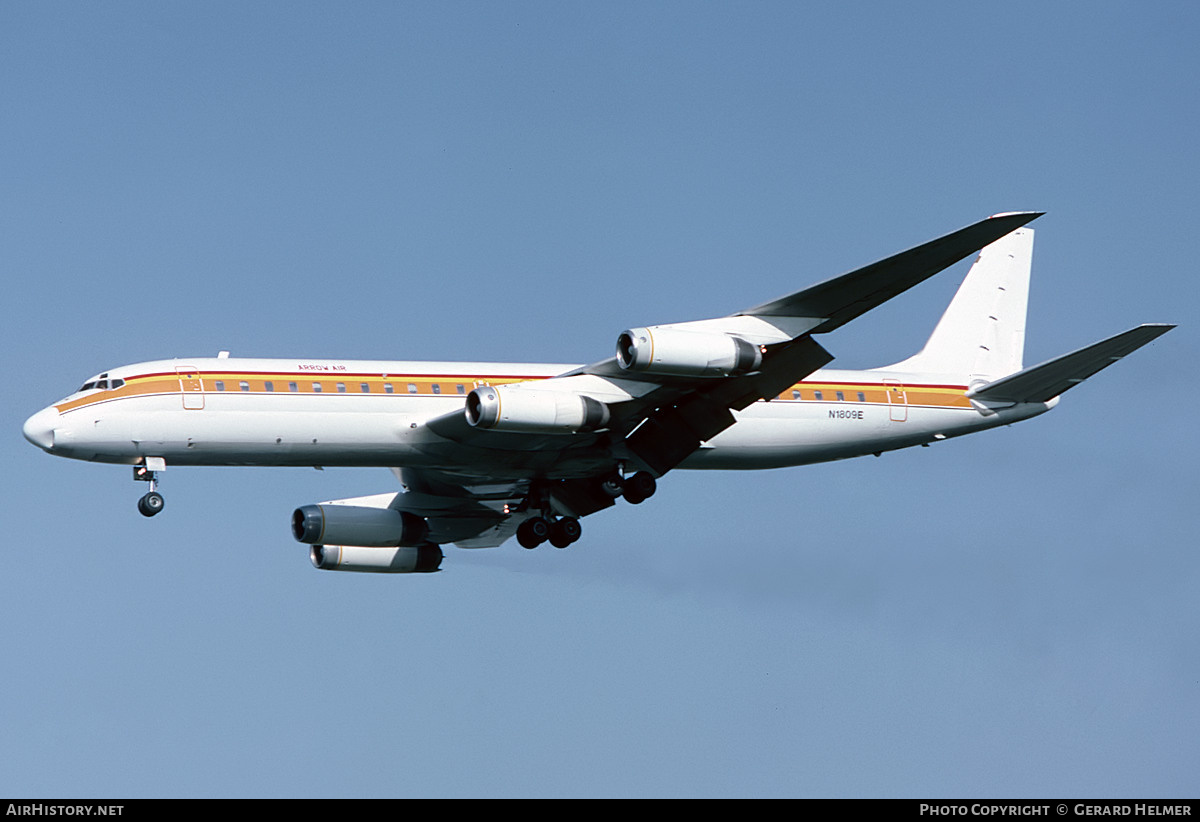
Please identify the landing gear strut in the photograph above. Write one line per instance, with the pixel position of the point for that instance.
(152, 502)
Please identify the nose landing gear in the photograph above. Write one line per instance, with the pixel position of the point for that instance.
(152, 502)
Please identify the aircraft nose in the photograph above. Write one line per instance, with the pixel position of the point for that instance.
(39, 429)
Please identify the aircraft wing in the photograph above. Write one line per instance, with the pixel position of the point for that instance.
(841, 299)
(470, 516)
(657, 417)
(483, 513)
(830, 304)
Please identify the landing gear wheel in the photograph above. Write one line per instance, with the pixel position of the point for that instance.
(613, 486)
(565, 531)
(533, 532)
(150, 504)
(147, 471)
(640, 487)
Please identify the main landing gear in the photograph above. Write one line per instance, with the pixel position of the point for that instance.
(639, 488)
(562, 531)
(152, 502)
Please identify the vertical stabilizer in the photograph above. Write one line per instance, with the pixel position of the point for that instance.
(982, 334)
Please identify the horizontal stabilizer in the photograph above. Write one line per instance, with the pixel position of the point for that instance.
(1041, 383)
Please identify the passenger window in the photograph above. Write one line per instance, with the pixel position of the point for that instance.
(818, 396)
(841, 397)
(862, 397)
(412, 388)
(437, 388)
(220, 385)
(363, 387)
(269, 386)
(387, 388)
(245, 386)
(316, 387)
(293, 387)
(341, 387)
(462, 389)
(795, 395)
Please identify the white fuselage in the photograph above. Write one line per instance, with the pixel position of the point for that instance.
(224, 411)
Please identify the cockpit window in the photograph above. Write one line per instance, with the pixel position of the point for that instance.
(100, 383)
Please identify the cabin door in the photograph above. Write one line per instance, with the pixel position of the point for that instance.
(897, 401)
(191, 387)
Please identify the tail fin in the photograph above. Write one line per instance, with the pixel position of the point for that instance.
(982, 334)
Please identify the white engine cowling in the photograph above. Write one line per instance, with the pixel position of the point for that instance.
(358, 525)
(686, 353)
(421, 559)
(528, 410)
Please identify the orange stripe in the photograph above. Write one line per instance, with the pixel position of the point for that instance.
(162, 383)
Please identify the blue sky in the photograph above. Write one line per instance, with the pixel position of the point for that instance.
(1011, 614)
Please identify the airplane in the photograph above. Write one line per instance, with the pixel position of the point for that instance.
(485, 452)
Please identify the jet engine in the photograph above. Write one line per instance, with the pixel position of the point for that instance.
(418, 559)
(355, 525)
(528, 410)
(686, 352)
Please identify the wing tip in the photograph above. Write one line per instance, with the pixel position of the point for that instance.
(1152, 331)
(1029, 215)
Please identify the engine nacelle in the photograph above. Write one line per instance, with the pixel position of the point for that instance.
(356, 525)
(529, 410)
(419, 559)
(686, 353)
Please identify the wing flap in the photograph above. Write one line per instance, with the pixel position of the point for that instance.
(1041, 383)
